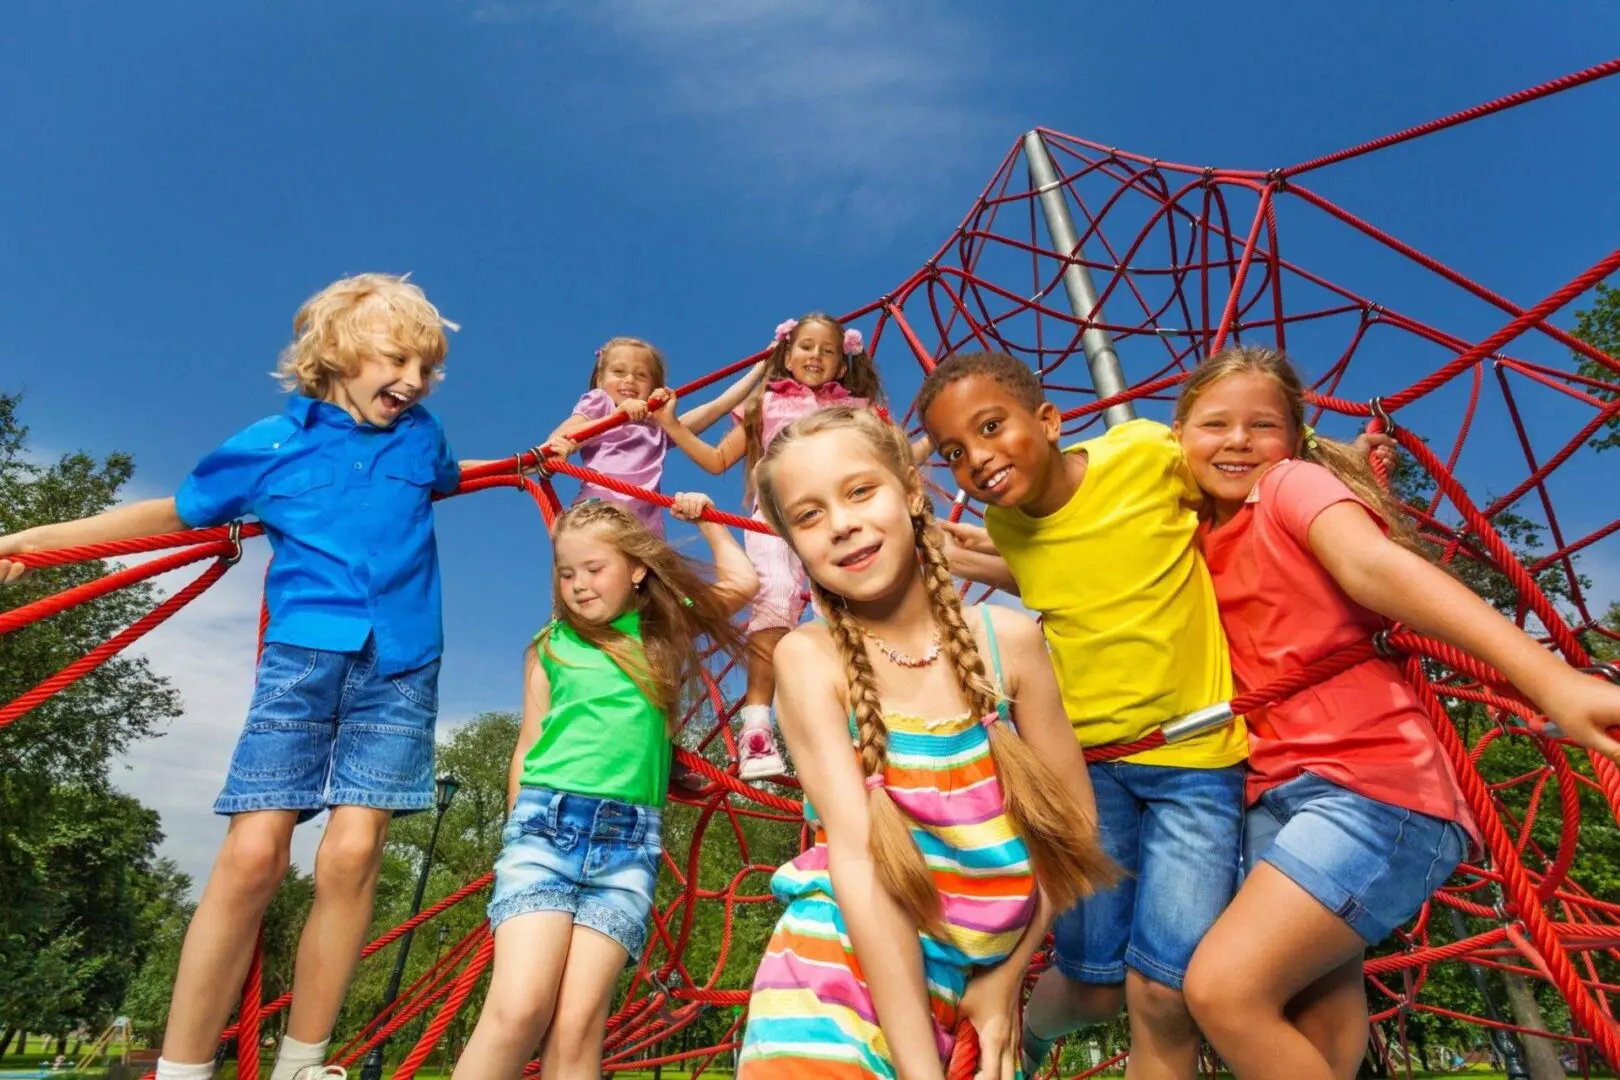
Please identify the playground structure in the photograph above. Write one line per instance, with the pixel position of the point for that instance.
(1073, 256)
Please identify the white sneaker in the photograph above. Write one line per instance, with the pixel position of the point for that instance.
(757, 755)
(321, 1072)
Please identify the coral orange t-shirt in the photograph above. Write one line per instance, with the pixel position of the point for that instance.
(1363, 729)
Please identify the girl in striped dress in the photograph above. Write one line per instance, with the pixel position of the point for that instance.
(956, 827)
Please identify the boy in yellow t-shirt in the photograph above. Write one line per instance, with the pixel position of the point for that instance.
(1099, 539)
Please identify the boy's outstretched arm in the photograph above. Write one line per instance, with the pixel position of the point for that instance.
(701, 418)
(150, 517)
(973, 556)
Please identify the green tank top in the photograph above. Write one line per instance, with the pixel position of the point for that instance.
(602, 737)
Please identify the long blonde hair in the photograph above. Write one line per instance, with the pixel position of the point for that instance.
(677, 607)
(860, 378)
(1343, 460)
(1064, 851)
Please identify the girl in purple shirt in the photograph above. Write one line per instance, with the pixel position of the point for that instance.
(628, 372)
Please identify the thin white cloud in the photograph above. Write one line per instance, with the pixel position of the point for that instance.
(845, 111)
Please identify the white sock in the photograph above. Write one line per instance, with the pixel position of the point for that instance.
(295, 1055)
(171, 1070)
(755, 716)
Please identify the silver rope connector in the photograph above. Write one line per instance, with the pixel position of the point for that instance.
(1197, 722)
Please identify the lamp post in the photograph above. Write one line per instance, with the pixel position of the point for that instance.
(447, 786)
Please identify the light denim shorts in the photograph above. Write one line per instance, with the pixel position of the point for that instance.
(596, 859)
(1371, 863)
(1177, 834)
(325, 729)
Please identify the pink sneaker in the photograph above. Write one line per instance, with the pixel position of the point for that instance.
(757, 755)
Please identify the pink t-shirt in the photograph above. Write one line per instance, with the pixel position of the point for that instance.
(786, 400)
(633, 453)
(1363, 729)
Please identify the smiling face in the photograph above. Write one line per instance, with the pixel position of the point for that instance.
(595, 580)
(389, 380)
(1235, 428)
(627, 371)
(816, 356)
(999, 450)
(847, 515)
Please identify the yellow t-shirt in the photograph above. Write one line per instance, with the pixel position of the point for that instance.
(1125, 599)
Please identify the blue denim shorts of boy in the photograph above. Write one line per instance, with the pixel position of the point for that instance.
(1371, 863)
(1177, 834)
(324, 729)
(596, 859)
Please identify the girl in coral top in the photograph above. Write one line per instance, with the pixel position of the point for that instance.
(1355, 816)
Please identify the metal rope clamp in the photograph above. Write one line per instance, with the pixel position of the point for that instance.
(235, 537)
(1608, 670)
(540, 463)
(1380, 413)
(1197, 722)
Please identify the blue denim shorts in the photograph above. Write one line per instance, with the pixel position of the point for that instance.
(324, 729)
(1177, 834)
(1371, 863)
(594, 858)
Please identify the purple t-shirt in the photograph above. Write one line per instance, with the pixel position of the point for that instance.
(632, 452)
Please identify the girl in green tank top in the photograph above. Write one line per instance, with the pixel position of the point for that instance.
(579, 858)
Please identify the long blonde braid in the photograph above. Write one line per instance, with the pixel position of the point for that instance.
(1068, 861)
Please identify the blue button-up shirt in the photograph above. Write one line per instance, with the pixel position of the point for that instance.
(348, 511)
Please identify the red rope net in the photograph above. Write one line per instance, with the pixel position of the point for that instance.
(1182, 259)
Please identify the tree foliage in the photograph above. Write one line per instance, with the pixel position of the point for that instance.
(80, 885)
(1599, 326)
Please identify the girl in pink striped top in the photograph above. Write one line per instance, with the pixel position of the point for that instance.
(815, 363)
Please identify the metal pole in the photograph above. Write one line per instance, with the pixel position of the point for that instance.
(1507, 1047)
(372, 1069)
(1106, 374)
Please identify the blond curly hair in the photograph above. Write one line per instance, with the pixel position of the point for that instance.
(334, 330)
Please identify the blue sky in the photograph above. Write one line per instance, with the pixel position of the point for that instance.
(180, 178)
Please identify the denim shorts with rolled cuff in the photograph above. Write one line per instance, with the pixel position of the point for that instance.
(1371, 863)
(1177, 834)
(324, 729)
(595, 858)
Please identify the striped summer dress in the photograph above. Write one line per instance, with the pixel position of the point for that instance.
(810, 1014)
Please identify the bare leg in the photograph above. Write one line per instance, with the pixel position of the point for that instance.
(219, 942)
(761, 674)
(1058, 1005)
(531, 952)
(1332, 1014)
(1164, 1039)
(573, 1048)
(1273, 942)
(346, 867)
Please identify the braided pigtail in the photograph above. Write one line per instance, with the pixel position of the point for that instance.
(900, 866)
(1069, 862)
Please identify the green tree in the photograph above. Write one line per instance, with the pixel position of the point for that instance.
(164, 916)
(1599, 326)
(96, 863)
(477, 754)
